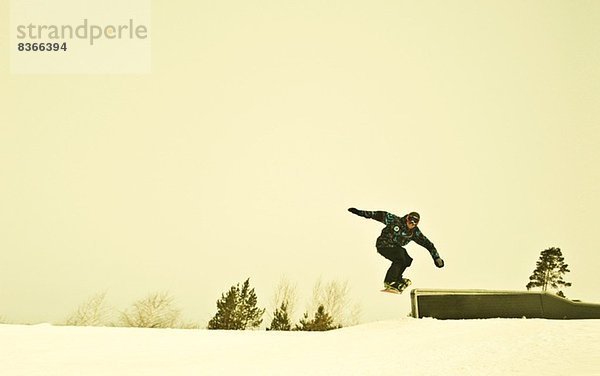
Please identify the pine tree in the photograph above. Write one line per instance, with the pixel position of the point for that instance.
(281, 319)
(249, 314)
(321, 322)
(237, 309)
(225, 316)
(549, 271)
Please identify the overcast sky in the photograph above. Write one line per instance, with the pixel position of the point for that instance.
(263, 121)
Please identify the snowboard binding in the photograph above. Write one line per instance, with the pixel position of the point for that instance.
(397, 287)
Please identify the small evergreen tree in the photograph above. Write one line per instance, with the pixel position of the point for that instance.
(237, 309)
(250, 315)
(281, 319)
(549, 271)
(225, 316)
(321, 322)
(285, 292)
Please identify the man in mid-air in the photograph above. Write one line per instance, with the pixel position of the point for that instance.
(397, 233)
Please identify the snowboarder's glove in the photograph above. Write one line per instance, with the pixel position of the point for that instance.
(439, 262)
(361, 213)
(354, 211)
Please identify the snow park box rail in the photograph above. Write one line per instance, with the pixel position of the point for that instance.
(487, 304)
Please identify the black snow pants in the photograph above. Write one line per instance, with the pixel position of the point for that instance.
(400, 261)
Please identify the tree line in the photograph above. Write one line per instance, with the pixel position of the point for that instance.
(237, 309)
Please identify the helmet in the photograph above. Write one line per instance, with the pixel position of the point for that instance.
(413, 217)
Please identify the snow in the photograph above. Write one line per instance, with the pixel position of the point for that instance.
(399, 347)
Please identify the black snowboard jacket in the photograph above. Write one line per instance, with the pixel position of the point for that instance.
(396, 232)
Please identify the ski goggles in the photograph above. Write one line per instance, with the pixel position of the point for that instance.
(413, 220)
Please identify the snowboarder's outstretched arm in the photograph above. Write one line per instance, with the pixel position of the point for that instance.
(422, 240)
(381, 216)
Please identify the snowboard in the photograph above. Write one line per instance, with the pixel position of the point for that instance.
(407, 282)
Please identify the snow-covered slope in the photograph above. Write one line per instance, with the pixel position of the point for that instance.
(403, 347)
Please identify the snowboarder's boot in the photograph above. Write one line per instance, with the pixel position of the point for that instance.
(403, 284)
(391, 287)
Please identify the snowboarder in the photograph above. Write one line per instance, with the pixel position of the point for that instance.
(397, 233)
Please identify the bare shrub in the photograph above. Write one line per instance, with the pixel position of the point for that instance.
(334, 297)
(93, 312)
(285, 294)
(157, 310)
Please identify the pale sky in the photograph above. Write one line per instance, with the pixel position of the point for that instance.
(263, 121)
